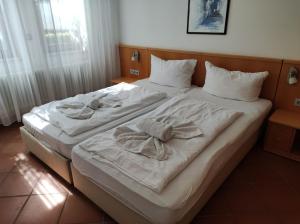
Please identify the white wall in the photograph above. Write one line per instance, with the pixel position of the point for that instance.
(268, 28)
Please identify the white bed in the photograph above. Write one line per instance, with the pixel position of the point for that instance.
(187, 188)
(55, 139)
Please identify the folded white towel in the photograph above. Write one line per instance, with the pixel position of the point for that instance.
(111, 104)
(154, 135)
(112, 101)
(71, 105)
(186, 130)
(140, 143)
(157, 129)
(95, 104)
(80, 114)
(81, 111)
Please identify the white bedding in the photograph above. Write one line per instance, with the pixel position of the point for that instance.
(179, 195)
(57, 140)
(210, 118)
(132, 97)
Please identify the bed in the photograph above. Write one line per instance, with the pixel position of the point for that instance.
(128, 201)
(53, 146)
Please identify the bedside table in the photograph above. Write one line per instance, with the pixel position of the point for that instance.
(283, 134)
(123, 79)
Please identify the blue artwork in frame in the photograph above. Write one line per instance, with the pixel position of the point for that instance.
(207, 16)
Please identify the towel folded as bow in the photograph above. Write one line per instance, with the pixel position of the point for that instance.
(95, 104)
(71, 105)
(104, 103)
(81, 111)
(81, 114)
(153, 135)
(157, 129)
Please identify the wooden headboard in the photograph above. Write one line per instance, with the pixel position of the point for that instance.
(286, 94)
(231, 62)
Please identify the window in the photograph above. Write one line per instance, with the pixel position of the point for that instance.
(6, 51)
(5, 48)
(64, 26)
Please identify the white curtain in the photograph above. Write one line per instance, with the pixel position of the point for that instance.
(52, 49)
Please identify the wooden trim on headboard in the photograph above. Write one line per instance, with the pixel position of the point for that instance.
(286, 94)
(230, 62)
(125, 53)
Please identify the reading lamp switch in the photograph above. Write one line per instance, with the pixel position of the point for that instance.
(134, 72)
(297, 102)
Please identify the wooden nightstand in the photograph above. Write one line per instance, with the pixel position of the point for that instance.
(123, 79)
(283, 134)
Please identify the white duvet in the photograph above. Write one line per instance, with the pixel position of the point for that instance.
(132, 97)
(154, 174)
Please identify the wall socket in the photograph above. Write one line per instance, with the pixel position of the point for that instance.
(297, 102)
(134, 72)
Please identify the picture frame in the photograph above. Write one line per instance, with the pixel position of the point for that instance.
(207, 16)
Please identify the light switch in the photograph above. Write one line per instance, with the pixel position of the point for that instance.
(134, 72)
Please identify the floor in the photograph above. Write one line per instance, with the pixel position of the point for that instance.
(263, 189)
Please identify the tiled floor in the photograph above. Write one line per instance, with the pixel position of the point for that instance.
(32, 193)
(263, 189)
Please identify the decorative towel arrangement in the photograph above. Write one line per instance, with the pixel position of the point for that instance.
(121, 103)
(80, 114)
(153, 134)
(78, 110)
(160, 130)
(95, 104)
(106, 102)
(71, 105)
(155, 174)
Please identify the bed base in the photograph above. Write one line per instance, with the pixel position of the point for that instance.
(55, 161)
(123, 214)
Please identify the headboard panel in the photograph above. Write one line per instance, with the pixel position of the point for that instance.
(230, 62)
(286, 94)
(126, 63)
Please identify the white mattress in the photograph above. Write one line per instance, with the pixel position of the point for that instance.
(55, 139)
(179, 195)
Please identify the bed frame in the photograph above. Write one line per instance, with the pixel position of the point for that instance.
(122, 213)
(54, 160)
(103, 199)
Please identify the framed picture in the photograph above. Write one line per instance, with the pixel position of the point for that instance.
(207, 16)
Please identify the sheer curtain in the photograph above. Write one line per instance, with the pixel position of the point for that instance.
(52, 49)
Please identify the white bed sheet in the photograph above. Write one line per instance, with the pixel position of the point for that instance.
(55, 139)
(178, 196)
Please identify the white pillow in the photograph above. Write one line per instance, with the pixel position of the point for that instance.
(177, 73)
(233, 84)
